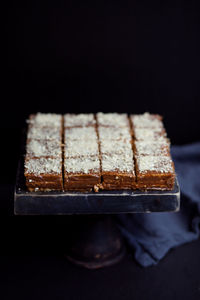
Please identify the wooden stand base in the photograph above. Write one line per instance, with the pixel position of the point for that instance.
(94, 241)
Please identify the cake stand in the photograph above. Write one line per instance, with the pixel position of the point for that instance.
(93, 237)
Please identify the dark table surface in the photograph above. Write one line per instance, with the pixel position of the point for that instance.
(32, 265)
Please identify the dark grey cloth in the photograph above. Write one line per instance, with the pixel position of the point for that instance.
(151, 236)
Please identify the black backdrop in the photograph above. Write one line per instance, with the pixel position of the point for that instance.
(117, 56)
(87, 57)
(82, 57)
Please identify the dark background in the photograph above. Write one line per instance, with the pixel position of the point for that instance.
(115, 56)
(86, 57)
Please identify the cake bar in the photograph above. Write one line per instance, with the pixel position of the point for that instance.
(43, 148)
(155, 172)
(112, 120)
(152, 148)
(43, 162)
(81, 173)
(111, 133)
(78, 148)
(43, 174)
(154, 166)
(45, 120)
(80, 134)
(117, 165)
(123, 147)
(117, 171)
(80, 120)
(45, 127)
(147, 120)
(148, 127)
(81, 153)
(149, 134)
(44, 133)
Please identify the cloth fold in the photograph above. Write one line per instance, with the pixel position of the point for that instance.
(151, 236)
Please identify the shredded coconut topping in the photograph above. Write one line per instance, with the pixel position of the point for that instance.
(120, 147)
(150, 134)
(117, 162)
(146, 120)
(39, 166)
(151, 148)
(44, 133)
(111, 133)
(81, 147)
(46, 120)
(112, 119)
(84, 133)
(71, 120)
(83, 165)
(36, 148)
(160, 164)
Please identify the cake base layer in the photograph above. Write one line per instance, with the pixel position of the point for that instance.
(118, 181)
(155, 181)
(81, 182)
(44, 186)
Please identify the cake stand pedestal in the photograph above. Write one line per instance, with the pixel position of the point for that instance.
(95, 241)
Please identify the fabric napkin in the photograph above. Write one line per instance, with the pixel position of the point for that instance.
(151, 236)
